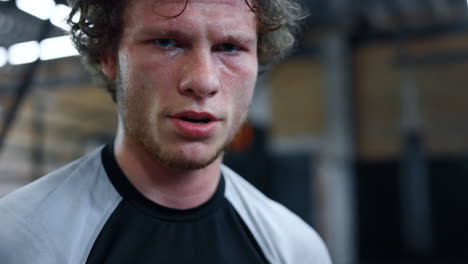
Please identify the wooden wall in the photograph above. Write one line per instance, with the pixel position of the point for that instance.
(75, 119)
(297, 98)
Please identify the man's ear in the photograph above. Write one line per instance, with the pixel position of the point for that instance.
(108, 64)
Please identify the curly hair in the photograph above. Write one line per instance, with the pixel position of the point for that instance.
(98, 27)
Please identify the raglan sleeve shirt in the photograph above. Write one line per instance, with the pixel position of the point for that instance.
(88, 212)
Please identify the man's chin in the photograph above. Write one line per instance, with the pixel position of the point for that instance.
(177, 161)
(187, 164)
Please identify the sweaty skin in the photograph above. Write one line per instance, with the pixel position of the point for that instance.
(201, 63)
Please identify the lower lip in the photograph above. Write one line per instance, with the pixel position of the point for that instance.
(193, 130)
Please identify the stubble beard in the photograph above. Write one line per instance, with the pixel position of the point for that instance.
(139, 130)
(172, 159)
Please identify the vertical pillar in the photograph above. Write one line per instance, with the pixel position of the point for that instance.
(414, 178)
(38, 134)
(335, 164)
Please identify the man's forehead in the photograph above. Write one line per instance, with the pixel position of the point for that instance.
(173, 7)
(234, 3)
(169, 15)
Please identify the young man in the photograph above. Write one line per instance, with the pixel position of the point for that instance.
(182, 74)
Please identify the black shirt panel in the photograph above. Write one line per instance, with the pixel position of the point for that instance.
(141, 231)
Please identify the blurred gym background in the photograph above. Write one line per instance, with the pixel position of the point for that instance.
(362, 131)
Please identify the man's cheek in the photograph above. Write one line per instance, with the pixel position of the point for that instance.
(243, 101)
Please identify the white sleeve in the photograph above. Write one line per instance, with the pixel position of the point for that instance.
(283, 236)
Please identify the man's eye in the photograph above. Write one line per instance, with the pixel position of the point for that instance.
(228, 48)
(165, 43)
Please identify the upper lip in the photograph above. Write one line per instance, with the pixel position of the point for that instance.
(196, 115)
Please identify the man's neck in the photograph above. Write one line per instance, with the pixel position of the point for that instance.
(169, 187)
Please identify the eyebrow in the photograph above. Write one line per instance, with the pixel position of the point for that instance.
(242, 38)
(179, 34)
(151, 32)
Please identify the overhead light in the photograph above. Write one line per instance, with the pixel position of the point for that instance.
(38, 8)
(22, 53)
(55, 48)
(59, 16)
(3, 56)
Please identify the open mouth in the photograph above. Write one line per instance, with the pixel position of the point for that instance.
(200, 121)
(195, 125)
(198, 118)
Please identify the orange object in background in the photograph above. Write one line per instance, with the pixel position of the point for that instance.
(244, 138)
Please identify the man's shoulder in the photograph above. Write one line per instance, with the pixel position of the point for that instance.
(38, 218)
(30, 198)
(19, 243)
(283, 235)
(241, 192)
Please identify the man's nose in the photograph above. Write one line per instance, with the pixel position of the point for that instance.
(200, 76)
